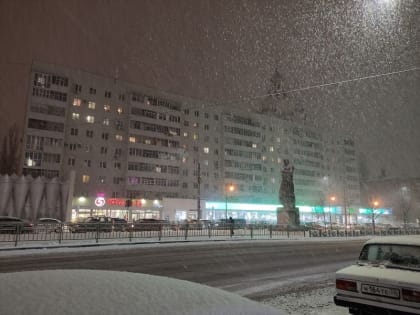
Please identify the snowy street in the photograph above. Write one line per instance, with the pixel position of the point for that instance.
(295, 276)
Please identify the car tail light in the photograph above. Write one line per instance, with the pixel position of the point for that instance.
(346, 285)
(411, 295)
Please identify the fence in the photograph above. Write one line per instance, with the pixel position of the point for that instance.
(17, 233)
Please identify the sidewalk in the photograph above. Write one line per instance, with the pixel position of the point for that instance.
(91, 243)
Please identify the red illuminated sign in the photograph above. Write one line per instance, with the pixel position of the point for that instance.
(121, 202)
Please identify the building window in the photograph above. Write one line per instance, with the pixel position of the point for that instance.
(105, 135)
(92, 91)
(85, 179)
(77, 88)
(132, 139)
(206, 150)
(107, 94)
(71, 161)
(121, 97)
(216, 117)
(196, 113)
(75, 116)
(102, 164)
(185, 134)
(206, 115)
(119, 137)
(206, 127)
(89, 133)
(90, 119)
(271, 149)
(104, 150)
(186, 111)
(106, 122)
(195, 136)
(119, 110)
(77, 102)
(74, 131)
(87, 163)
(101, 179)
(107, 108)
(117, 165)
(91, 105)
(254, 145)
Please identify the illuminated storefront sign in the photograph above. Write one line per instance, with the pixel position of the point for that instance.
(116, 202)
(368, 211)
(100, 201)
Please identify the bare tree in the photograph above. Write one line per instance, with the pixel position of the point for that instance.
(405, 205)
(10, 151)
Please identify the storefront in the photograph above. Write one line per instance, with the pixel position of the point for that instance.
(129, 209)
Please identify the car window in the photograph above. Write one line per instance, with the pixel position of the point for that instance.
(394, 255)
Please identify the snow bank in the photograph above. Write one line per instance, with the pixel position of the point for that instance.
(98, 292)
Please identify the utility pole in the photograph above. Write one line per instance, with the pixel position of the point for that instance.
(198, 192)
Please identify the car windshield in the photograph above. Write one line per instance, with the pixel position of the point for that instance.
(392, 255)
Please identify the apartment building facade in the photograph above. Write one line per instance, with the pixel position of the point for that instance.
(126, 142)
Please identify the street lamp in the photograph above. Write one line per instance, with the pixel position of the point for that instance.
(332, 199)
(230, 188)
(375, 205)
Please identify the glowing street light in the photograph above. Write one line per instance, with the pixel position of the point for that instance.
(331, 199)
(231, 189)
(375, 205)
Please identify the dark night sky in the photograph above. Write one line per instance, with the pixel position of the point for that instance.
(228, 50)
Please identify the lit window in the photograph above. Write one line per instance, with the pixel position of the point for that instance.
(106, 122)
(119, 137)
(77, 102)
(195, 136)
(132, 139)
(90, 119)
(147, 141)
(264, 158)
(107, 108)
(206, 150)
(195, 124)
(75, 116)
(184, 159)
(85, 179)
(91, 105)
(119, 110)
(271, 149)
(254, 145)
(185, 134)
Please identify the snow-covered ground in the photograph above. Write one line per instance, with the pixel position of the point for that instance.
(307, 299)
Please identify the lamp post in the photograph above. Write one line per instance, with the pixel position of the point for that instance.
(375, 204)
(331, 199)
(230, 188)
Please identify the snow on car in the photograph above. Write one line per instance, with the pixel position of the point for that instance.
(385, 280)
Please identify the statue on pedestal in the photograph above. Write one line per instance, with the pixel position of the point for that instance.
(289, 214)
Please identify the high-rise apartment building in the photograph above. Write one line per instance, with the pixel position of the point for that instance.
(125, 141)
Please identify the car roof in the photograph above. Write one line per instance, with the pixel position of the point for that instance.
(399, 240)
(10, 218)
(53, 219)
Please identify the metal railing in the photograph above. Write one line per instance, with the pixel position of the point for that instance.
(71, 233)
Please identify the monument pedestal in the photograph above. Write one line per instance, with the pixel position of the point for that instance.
(288, 216)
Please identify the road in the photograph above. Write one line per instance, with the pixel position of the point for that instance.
(247, 268)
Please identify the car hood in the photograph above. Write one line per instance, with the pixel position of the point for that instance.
(381, 274)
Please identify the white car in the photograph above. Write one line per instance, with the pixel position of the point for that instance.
(385, 280)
